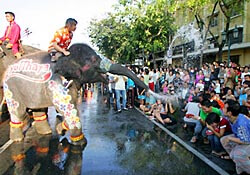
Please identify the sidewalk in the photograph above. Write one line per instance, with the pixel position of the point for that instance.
(199, 149)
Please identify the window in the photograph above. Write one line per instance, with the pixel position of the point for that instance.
(235, 59)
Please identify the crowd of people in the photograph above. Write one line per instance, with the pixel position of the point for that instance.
(215, 101)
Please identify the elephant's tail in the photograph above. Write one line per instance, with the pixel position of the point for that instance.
(1, 105)
(2, 99)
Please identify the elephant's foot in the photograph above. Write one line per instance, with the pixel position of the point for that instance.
(16, 131)
(42, 127)
(77, 137)
(61, 127)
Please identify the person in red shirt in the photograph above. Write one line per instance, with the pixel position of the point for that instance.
(217, 128)
(62, 39)
(12, 35)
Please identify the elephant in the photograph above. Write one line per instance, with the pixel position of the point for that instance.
(34, 82)
(4, 62)
(7, 58)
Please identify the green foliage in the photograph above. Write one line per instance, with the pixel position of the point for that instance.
(134, 28)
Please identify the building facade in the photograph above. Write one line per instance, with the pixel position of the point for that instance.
(236, 49)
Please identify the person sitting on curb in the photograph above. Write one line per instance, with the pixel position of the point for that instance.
(192, 109)
(217, 128)
(237, 145)
(206, 108)
(157, 107)
(60, 43)
(149, 101)
(12, 35)
(164, 115)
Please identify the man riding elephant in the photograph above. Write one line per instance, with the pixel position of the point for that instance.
(60, 43)
(12, 35)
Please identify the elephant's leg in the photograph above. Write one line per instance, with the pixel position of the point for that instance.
(73, 125)
(77, 137)
(62, 127)
(17, 120)
(75, 129)
(65, 102)
(41, 123)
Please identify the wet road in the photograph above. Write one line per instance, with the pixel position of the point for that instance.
(123, 143)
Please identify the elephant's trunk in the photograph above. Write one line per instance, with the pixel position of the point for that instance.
(120, 70)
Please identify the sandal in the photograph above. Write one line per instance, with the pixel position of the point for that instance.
(193, 140)
(218, 154)
(225, 157)
(184, 126)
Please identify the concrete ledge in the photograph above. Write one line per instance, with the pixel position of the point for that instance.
(189, 148)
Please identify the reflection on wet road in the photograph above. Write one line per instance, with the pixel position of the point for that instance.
(124, 143)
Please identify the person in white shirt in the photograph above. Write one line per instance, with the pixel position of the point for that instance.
(192, 109)
(120, 90)
(151, 84)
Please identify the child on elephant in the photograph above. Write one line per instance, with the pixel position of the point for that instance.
(60, 43)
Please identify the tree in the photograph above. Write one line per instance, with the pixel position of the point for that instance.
(135, 27)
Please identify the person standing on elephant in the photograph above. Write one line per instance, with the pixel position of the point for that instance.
(60, 43)
(12, 35)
